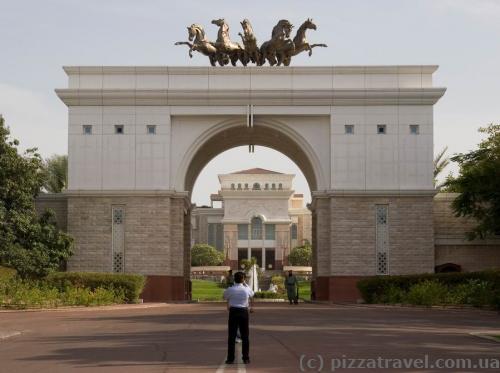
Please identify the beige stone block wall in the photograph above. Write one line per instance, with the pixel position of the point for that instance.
(446, 224)
(451, 243)
(469, 257)
(156, 229)
(346, 239)
(305, 227)
(56, 202)
(322, 248)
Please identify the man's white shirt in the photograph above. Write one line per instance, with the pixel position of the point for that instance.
(238, 295)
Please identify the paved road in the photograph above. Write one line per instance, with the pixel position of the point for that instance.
(192, 337)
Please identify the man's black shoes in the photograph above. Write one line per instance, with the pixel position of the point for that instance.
(229, 362)
(246, 361)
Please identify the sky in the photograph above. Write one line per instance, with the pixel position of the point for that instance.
(37, 38)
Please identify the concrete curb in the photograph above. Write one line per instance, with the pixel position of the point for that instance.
(408, 306)
(91, 308)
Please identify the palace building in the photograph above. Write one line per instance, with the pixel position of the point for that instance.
(256, 213)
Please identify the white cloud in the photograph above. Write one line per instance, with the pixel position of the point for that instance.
(35, 120)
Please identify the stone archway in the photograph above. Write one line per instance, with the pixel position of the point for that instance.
(362, 136)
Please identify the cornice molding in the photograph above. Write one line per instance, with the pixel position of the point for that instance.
(126, 193)
(261, 70)
(264, 97)
(374, 193)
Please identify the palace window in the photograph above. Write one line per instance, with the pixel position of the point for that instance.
(242, 231)
(414, 129)
(273, 186)
(270, 231)
(87, 129)
(232, 186)
(239, 186)
(381, 129)
(349, 129)
(293, 231)
(256, 229)
(151, 129)
(382, 239)
(280, 186)
(266, 186)
(246, 186)
(119, 129)
(256, 186)
(215, 235)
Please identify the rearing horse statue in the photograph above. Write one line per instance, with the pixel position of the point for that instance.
(276, 49)
(199, 43)
(300, 41)
(252, 51)
(224, 44)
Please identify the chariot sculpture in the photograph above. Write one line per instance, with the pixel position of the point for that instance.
(278, 50)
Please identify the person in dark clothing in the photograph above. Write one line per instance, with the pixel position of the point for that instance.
(229, 278)
(291, 286)
(237, 297)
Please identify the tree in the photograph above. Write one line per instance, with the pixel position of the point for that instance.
(56, 173)
(206, 255)
(478, 183)
(301, 255)
(32, 245)
(440, 162)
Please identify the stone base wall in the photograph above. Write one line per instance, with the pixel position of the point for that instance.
(157, 231)
(346, 236)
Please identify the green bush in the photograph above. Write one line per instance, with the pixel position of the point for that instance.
(301, 255)
(206, 255)
(427, 293)
(267, 295)
(128, 285)
(75, 296)
(22, 294)
(29, 294)
(474, 288)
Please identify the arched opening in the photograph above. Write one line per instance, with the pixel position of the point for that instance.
(275, 234)
(270, 134)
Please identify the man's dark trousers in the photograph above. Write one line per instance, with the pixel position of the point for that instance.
(238, 318)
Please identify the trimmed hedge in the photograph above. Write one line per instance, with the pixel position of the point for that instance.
(129, 285)
(374, 289)
(268, 295)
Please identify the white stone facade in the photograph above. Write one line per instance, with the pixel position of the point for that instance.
(312, 105)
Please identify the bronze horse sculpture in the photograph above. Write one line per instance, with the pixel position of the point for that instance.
(279, 50)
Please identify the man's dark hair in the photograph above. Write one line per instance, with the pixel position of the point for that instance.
(238, 277)
(230, 271)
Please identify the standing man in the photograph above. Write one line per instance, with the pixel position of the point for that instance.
(291, 286)
(229, 279)
(237, 297)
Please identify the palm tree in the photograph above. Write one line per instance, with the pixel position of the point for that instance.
(56, 173)
(440, 162)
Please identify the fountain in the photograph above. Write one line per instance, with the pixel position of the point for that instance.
(254, 279)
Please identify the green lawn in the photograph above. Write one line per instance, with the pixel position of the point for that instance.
(305, 290)
(209, 290)
(206, 290)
